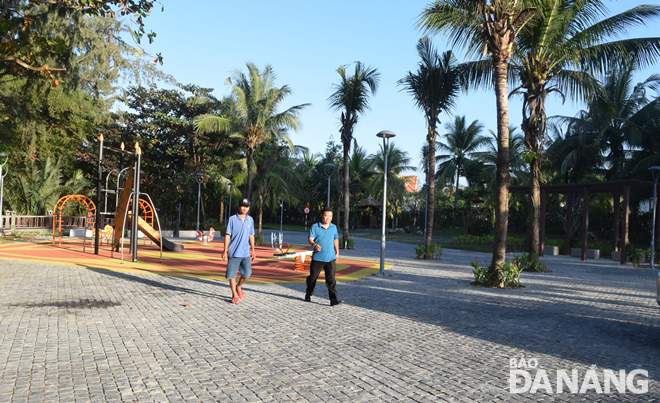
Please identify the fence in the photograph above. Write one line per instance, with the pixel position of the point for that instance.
(13, 221)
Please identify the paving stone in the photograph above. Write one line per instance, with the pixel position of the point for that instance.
(420, 333)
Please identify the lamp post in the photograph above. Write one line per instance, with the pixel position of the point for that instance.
(3, 173)
(329, 169)
(231, 185)
(386, 135)
(200, 178)
(281, 203)
(655, 170)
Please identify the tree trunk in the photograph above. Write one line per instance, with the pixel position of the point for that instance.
(347, 195)
(534, 127)
(430, 182)
(249, 156)
(222, 213)
(260, 218)
(533, 221)
(500, 72)
(458, 170)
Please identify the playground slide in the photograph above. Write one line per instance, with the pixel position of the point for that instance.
(149, 231)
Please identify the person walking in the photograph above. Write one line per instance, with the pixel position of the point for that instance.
(239, 249)
(324, 238)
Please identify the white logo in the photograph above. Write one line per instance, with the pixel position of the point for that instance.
(572, 381)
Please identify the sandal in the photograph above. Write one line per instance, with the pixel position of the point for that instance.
(240, 293)
(234, 300)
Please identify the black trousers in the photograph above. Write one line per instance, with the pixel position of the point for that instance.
(330, 269)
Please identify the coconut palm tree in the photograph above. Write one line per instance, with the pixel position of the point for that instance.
(398, 162)
(362, 169)
(351, 96)
(487, 27)
(644, 127)
(488, 157)
(435, 87)
(460, 143)
(567, 43)
(613, 113)
(274, 177)
(254, 115)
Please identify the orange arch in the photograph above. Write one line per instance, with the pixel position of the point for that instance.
(148, 213)
(58, 212)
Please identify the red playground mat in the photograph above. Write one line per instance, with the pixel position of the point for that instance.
(197, 260)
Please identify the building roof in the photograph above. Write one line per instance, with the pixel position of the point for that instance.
(411, 183)
(369, 202)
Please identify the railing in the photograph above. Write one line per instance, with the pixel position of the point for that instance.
(23, 222)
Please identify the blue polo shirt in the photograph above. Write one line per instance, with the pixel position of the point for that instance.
(239, 231)
(325, 238)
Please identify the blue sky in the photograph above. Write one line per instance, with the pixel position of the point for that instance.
(203, 42)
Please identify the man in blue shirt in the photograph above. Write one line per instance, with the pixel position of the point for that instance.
(324, 238)
(239, 248)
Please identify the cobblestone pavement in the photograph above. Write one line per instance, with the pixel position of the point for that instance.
(419, 333)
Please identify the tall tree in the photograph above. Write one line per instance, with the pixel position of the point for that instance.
(567, 43)
(490, 27)
(488, 157)
(614, 113)
(351, 97)
(398, 162)
(254, 116)
(25, 46)
(435, 87)
(362, 172)
(460, 143)
(274, 177)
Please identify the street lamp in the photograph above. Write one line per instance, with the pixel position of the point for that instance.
(281, 203)
(329, 169)
(655, 170)
(231, 185)
(200, 178)
(386, 135)
(3, 173)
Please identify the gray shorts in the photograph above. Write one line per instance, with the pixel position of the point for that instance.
(234, 264)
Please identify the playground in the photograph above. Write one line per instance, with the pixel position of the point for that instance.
(196, 261)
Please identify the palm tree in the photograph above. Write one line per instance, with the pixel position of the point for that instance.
(488, 27)
(644, 128)
(362, 171)
(461, 142)
(254, 116)
(488, 157)
(398, 162)
(613, 113)
(567, 42)
(435, 87)
(305, 171)
(351, 96)
(274, 177)
(38, 188)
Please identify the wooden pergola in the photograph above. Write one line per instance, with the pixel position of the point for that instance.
(571, 190)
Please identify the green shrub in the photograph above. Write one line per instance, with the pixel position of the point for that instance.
(638, 255)
(259, 239)
(510, 275)
(527, 264)
(513, 242)
(351, 243)
(434, 251)
(482, 275)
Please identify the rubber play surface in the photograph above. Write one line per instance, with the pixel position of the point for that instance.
(197, 261)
